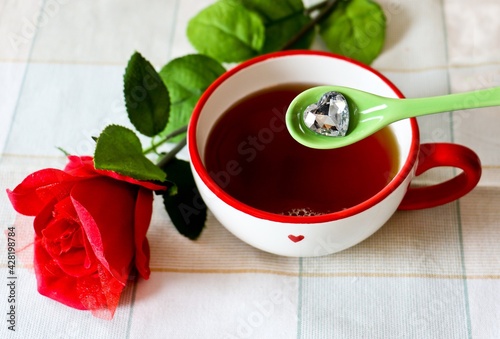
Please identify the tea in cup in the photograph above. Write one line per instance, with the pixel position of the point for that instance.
(284, 198)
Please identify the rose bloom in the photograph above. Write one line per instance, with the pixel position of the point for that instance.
(90, 232)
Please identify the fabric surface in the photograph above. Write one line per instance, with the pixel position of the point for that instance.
(432, 273)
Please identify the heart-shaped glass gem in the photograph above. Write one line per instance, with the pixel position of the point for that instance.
(329, 116)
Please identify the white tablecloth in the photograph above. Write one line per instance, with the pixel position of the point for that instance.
(426, 274)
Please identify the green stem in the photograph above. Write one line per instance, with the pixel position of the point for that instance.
(326, 8)
(173, 152)
(175, 133)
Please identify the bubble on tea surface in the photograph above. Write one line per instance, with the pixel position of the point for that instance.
(302, 212)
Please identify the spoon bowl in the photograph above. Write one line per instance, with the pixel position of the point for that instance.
(369, 113)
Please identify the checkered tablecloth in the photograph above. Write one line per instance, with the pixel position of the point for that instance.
(426, 274)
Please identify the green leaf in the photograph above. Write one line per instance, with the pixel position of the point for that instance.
(186, 208)
(282, 19)
(146, 97)
(187, 78)
(356, 29)
(273, 10)
(118, 149)
(278, 33)
(227, 31)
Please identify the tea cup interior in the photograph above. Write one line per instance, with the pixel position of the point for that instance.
(298, 67)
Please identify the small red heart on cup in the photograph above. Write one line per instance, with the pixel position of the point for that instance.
(295, 238)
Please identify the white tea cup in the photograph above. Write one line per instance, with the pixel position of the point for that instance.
(332, 232)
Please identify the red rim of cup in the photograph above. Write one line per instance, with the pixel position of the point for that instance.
(197, 162)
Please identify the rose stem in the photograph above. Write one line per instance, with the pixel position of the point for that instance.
(170, 155)
(325, 6)
(175, 133)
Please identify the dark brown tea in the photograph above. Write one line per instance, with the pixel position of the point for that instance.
(251, 155)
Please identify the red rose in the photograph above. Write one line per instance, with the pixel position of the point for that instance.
(90, 231)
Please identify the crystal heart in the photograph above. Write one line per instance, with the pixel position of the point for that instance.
(329, 116)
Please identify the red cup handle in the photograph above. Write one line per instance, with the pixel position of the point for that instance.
(437, 155)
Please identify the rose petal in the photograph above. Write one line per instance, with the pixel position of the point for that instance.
(84, 167)
(91, 259)
(70, 254)
(60, 233)
(62, 209)
(40, 188)
(146, 184)
(52, 282)
(100, 293)
(43, 218)
(143, 211)
(106, 211)
(72, 263)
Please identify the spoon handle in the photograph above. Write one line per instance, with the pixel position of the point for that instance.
(422, 106)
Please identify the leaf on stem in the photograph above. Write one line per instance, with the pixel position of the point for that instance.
(146, 97)
(227, 31)
(356, 29)
(282, 19)
(187, 78)
(118, 149)
(185, 208)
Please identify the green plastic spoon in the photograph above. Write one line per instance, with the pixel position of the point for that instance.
(369, 113)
